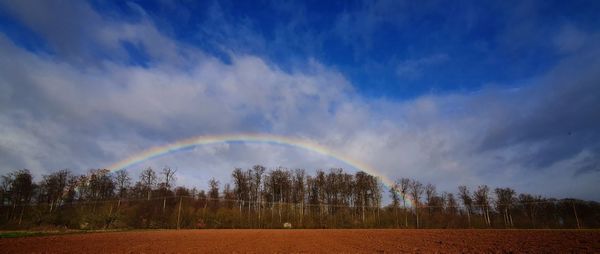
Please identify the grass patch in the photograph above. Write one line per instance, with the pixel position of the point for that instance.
(17, 234)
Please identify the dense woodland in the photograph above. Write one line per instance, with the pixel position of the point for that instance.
(261, 198)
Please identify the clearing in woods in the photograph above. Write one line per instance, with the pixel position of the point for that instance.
(311, 240)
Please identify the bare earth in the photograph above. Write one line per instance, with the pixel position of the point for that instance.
(293, 241)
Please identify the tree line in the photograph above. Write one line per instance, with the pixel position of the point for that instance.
(261, 198)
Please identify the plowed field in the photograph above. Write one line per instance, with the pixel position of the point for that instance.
(293, 241)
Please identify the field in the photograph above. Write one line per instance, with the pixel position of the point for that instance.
(347, 241)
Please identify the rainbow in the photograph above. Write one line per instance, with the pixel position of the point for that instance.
(305, 144)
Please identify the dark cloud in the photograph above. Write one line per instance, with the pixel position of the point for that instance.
(556, 117)
(69, 27)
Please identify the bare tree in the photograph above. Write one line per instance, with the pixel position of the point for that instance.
(465, 196)
(450, 204)
(394, 194)
(123, 182)
(148, 180)
(20, 188)
(415, 191)
(5, 183)
(228, 196)
(257, 177)
(241, 184)
(362, 190)
(403, 184)
(505, 197)
(213, 194)
(530, 207)
(332, 198)
(168, 179)
(451, 208)
(168, 175)
(299, 191)
(481, 197)
(100, 185)
(53, 187)
(430, 194)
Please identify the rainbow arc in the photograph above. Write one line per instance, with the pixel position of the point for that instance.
(305, 144)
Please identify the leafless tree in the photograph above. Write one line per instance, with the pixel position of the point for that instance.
(257, 184)
(298, 192)
(465, 196)
(241, 184)
(451, 204)
(482, 200)
(53, 187)
(530, 207)
(213, 194)
(228, 196)
(169, 178)
(394, 194)
(329, 199)
(168, 175)
(505, 198)
(403, 184)
(430, 194)
(123, 182)
(19, 186)
(415, 191)
(148, 180)
(450, 209)
(5, 183)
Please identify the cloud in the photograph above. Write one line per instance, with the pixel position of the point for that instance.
(53, 20)
(569, 39)
(71, 109)
(99, 114)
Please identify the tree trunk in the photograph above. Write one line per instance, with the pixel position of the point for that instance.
(487, 216)
(533, 219)
(259, 204)
(396, 216)
(576, 217)
(109, 220)
(469, 217)
(21, 216)
(417, 215)
(204, 209)
(405, 213)
(505, 218)
(179, 213)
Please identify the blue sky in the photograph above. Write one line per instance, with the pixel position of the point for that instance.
(387, 48)
(464, 92)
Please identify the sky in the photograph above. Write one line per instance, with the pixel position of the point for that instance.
(503, 93)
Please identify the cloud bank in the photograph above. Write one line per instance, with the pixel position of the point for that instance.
(103, 88)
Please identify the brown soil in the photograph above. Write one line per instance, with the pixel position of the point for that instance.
(291, 241)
